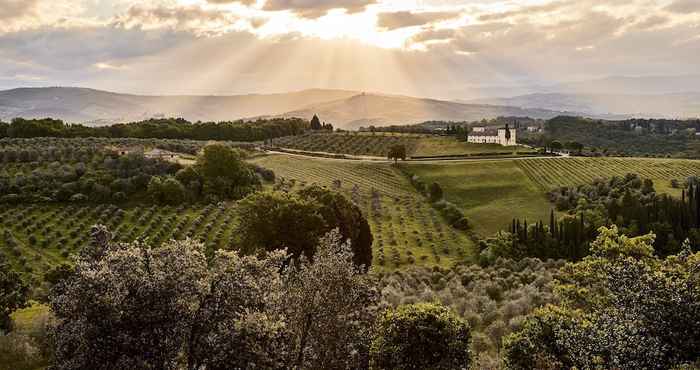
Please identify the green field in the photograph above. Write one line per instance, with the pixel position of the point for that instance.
(406, 229)
(551, 172)
(491, 193)
(442, 146)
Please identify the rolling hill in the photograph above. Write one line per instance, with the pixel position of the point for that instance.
(345, 109)
(80, 105)
(672, 105)
(383, 110)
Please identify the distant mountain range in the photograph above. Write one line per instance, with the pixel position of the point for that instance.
(671, 105)
(383, 110)
(80, 105)
(346, 109)
(342, 108)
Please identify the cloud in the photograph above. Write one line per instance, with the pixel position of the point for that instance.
(65, 49)
(13, 9)
(526, 11)
(316, 8)
(684, 6)
(391, 21)
(188, 18)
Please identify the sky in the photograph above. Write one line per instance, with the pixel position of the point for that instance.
(439, 48)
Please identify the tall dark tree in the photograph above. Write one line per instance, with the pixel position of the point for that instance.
(397, 152)
(316, 123)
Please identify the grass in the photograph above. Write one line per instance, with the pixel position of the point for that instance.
(441, 146)
(491, 193)
(407, 230)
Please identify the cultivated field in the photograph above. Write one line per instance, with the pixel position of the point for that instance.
(378, 144)
(406, 229)
(37, 237)
(442, 146)
(491, 193)
(548, 173)
(354, 143)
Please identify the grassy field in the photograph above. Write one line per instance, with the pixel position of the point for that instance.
(548, 173)
(490, 193)
(440, 146)
(406, 229)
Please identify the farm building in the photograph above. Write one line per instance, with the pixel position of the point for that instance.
(160, 154)
(503, 136)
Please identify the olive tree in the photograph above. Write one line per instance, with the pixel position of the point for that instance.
(421, 336)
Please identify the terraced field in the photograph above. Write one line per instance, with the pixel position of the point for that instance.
(406, 229)
(551, 172)
(37, 237)
(354, 143)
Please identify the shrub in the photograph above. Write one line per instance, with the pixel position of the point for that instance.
(421, 336)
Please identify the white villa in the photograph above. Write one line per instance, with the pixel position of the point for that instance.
(503, 136)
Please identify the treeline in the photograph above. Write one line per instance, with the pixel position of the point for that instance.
(634, 137)
(629, 202)
(87, 171)
(170, 128)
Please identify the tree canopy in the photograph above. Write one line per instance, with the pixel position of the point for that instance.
(421, 336)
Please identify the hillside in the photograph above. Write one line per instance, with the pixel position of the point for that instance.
(384, 110)
(675, 105)
(102, 107)
(346, 109)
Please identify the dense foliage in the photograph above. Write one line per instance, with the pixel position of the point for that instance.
(629, 202)
(634, 137)
(621, 308)
(132, 306)
(13, 295)
(421, 336)
(273, 220)
(493, 300)
(75, 173)
(170, 128)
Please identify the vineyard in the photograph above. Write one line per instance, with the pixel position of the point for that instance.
(549, 173)
(406, 229)
(352, 143)
(35, 238)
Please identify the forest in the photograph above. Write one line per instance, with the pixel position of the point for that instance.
(169, 128)
(633, 137)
